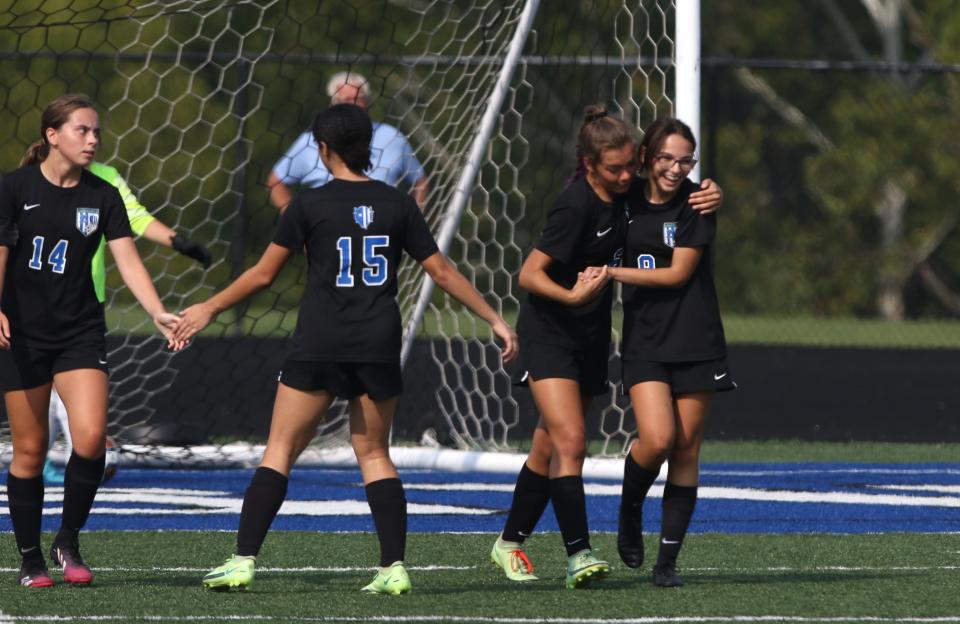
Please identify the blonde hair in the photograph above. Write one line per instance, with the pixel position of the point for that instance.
(55, 114)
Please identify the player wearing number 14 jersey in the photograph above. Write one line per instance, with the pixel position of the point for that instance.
(53, 213)
(347, 342)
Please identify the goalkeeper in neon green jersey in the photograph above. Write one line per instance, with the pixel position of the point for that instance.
(143, 224)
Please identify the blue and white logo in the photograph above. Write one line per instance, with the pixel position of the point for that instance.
(363, 216)
(87, 220)
(670, 233)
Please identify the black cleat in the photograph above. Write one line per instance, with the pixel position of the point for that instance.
(666, 576)
(630, 537)
(33, 573)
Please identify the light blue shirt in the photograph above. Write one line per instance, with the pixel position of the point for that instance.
(390, 153)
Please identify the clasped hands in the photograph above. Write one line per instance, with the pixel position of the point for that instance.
(590, 282)
(179, 329)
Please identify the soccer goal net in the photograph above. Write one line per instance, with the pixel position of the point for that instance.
(199, 99)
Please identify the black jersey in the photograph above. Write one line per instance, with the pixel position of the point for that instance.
(582, 231)
(670, 324)
(354, 234)
(53, 233)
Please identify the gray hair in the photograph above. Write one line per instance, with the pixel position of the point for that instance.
(352, 78)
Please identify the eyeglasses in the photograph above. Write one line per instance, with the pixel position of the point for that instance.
(668, 160)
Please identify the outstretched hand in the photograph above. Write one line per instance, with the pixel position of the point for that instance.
(168, 323)
(193, 320)
(708, 199)
(511, 345)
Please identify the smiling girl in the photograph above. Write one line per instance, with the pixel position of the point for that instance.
(674, 351)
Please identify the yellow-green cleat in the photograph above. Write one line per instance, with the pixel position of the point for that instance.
(236, 572)
(509, 557)
(392, 580)
(583, 568)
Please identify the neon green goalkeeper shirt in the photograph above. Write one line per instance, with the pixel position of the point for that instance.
(139, 220)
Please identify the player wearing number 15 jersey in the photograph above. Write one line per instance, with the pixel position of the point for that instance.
(347, 342)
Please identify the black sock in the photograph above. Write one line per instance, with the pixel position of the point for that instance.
(81, 480)
(388, 505)
(570, 505)
(530, 498)
(678, 504)
(25, 501)
(636, 483)
(261, 502)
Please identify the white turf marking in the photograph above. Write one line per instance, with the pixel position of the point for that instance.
(737, 493)
(285, 570)
(943, 489)
(5, 619)
(691, 619)
(448, 568)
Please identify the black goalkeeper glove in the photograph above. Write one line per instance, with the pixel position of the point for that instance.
(192, 249)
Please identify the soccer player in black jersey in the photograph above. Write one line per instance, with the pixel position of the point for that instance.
(53, 213)
(347, 341)
(674, 351)
(564, 328)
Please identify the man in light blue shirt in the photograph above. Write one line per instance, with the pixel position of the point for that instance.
(390, 152)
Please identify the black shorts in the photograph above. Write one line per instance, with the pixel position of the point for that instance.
(588, 367)
(346, 380)
(22, 368)
(682, 377)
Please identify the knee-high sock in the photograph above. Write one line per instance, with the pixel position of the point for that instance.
(81, 480)
(530, 498)
(261, 502)
(25, 501)
(388, 505)
(636, 483)
(570, 505)
(678, 504)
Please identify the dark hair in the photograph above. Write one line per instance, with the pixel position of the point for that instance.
(598, 133)
(347, 130)
(657, 133)
(55, 114)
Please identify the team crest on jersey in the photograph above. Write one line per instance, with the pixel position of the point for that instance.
(363, 216)
(670, 233)
(87, 220)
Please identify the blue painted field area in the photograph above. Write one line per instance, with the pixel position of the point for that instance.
(734, 498)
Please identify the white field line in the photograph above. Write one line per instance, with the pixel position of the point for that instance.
(692, 619)
(449, 568)
(5, 619)
(746, 472)
(737, 493)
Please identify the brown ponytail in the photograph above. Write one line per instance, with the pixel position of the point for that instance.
(36, 153)
(54, 115)
(598, 133)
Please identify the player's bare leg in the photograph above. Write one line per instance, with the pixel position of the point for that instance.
(562, 410)
(370, 423)
(27, 414)
(84, 393)
(530, 497)
(296, 414)
(683, 476)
